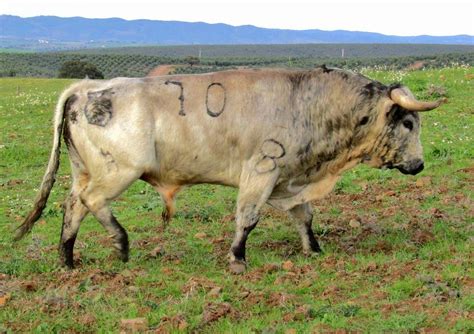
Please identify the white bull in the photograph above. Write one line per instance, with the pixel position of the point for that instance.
(281, 137)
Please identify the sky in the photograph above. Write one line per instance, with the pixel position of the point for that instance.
(401, 17)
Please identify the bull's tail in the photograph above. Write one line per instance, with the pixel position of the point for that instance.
(49, 176)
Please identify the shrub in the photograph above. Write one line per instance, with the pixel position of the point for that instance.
(191, 60)
(79, 69)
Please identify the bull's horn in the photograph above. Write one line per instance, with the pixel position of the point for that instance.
(406, 100)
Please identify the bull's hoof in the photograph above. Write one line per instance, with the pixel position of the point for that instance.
(122, 255)
(237, 267)
(69, 265)
(66, 260)
(312, 254)
(166, 217)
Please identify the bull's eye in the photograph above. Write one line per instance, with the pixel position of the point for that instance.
(408, 124)
(364, 120)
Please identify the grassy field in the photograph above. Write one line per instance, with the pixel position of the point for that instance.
(398, 250)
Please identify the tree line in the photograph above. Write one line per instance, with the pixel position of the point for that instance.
(130, 65)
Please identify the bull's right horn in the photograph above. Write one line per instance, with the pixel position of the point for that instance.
(406, 100)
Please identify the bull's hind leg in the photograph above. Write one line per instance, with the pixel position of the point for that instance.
(97, 196)
(74, 213)
(168, 194)
(304, 218)
(74, 209)
(254, 190)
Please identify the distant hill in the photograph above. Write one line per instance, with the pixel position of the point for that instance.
(43, 32)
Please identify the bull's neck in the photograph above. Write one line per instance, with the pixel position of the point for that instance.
(327, 135)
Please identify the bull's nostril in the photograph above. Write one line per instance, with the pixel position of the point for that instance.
(418, 167)
(421, 167)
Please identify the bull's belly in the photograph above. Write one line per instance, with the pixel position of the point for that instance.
(287, 197)
(189, 167)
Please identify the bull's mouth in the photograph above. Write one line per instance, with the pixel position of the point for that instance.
(407, 171)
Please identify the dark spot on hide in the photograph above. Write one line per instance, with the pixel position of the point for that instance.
(307, 123)
(297, 79)
(215, 99)
(304, 152)
(67, 115)
(181, 95)
(395, 115)
(109, 159)
(73, 116)
(325, 69)
(372, 89)
(364, 121)
(69, 112)
(98, 110)
(335, 124)
(393, 86)
(343, 75)
(321, 158)
(233, 141)
(104, 153)
(306, 149)
(329, 126)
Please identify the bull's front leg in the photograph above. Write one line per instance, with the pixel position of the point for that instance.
(303, 214)
(255, 188)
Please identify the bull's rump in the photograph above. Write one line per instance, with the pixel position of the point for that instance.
(179, 129)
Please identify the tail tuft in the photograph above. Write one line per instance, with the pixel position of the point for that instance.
(40, 204)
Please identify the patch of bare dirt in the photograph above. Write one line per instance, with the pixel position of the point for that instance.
(137, 325)
(280, 299)
(161, 70)
(169, 324)
(12, 183)
(214, 311)
(195, 284)
(149, 242)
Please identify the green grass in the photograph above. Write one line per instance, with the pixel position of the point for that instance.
(407, 268)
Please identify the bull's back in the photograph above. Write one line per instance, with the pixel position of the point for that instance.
(185, 129)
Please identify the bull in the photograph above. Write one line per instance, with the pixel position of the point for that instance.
(281, 137)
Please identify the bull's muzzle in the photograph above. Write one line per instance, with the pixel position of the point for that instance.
(412, 167)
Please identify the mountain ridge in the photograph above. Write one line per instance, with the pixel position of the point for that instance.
(50, 29)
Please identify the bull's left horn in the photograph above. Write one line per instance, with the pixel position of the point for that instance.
(406, 100)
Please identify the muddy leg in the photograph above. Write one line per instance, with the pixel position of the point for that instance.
(98, 207)
(74, 213)
(253, 193)
(97, 197)
(304, 219)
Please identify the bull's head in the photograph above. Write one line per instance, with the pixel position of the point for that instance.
(397, 139)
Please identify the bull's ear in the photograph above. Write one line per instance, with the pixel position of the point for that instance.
(404, 98)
